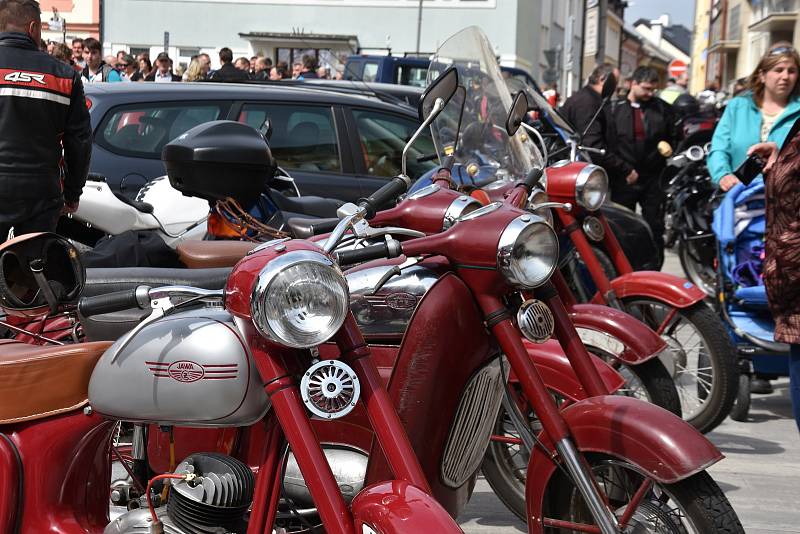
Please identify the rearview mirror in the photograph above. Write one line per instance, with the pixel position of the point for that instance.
(609, 86)
(518, 110)
(443, 87)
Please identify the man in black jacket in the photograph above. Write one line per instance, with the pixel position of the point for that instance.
(642, 122)
(227, 72)
(581, 107)
(42, 110)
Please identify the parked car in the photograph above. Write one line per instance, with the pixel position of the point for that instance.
(339, 140)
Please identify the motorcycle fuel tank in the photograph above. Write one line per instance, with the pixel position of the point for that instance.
(191, 368)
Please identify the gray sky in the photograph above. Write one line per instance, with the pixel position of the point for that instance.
(679, 11)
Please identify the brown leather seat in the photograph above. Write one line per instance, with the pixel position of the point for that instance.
(211, 254)
(37, 382)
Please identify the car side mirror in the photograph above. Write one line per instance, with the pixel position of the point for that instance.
(442, 88)
(517, 113)
(609, 86)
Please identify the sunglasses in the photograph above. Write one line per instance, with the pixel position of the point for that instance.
(122, 64)
(781, 50)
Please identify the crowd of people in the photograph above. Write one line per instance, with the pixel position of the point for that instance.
(86, 57)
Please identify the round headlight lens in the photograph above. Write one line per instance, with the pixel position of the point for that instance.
(527, 253)
(591, 187)
(300, 299)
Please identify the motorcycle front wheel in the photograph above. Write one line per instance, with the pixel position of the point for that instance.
(697, 260)
(703, 358)
(695, 505)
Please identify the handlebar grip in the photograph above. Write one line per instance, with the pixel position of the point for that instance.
(394, 188)
(390, 249)
(113, 302)
(532, 178)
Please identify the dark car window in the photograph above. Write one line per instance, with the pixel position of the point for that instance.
(383, 137)
(413, 76)
(142, 130)
(303, 137)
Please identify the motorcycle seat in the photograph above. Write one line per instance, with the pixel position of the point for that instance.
(40, 381)
(144, 207)
(309, 206)
(211, 254)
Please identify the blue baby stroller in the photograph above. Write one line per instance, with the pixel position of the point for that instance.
(739, 224)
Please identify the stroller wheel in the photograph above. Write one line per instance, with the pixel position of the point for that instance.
(741, 407)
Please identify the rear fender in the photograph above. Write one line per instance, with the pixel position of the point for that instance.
(675, 291)
(616, 332)
(395, 507)
(559, 376)
(654, 440)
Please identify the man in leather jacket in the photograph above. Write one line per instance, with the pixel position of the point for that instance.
(642, 122)
(580, 108)
(42, 109)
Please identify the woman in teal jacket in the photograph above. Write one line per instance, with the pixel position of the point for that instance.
(765, 113)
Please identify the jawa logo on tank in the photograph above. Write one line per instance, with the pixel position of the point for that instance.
(401, 301)
(189, 371)
(25, 77)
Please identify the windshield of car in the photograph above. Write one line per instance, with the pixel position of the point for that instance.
(476, 115)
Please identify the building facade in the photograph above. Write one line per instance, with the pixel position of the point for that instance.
(544, 37)
(63, 20)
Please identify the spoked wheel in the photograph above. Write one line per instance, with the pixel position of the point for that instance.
(703, 362)
(641, 505)
(697, 260)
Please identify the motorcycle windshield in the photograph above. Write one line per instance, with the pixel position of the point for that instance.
(476, 115)
(535, 99)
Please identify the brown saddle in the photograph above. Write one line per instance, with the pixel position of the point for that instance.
(37, 382)
(212, 254)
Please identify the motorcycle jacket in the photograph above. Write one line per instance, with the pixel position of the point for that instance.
(42, 110)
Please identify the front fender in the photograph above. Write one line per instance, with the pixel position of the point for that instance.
(675, 291)
(654, 440)
(558, 374)
(616, 332)
(395, 507)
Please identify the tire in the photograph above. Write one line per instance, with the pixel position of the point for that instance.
(705, 411)
(702, 275)
(580, 280)
(741, 407)
(695, 505)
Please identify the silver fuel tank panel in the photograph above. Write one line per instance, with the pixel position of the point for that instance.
(191, 368)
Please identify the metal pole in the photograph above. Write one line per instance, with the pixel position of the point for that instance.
(602, 21)
(419, 24)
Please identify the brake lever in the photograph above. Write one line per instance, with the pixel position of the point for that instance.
(566, 206)
(394, 271)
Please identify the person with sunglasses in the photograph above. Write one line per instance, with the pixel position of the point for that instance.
(765, 112)
(126, 66)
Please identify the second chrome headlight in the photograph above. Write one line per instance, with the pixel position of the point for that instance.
(527, 253)
(591, 187)
(300, 299)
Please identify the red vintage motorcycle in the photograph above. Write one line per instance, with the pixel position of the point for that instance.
(54, 448)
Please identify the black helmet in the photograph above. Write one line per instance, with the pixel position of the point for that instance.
(685, 106)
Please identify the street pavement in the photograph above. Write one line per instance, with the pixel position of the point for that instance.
(759, 475)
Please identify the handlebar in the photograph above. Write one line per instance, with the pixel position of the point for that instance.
(389, 249)
(138, 297)
(390, 191)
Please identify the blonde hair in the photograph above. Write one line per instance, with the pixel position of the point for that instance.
(195, 71)
(767, 63)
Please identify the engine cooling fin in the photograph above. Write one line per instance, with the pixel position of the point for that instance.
(217, 499)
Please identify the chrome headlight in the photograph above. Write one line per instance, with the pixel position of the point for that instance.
(591, 187)
(527, 253)
(538, 196)
(458, 207)
(300, 299)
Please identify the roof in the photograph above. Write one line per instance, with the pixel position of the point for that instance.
(677, 35)
(322, 91)
(296, 36)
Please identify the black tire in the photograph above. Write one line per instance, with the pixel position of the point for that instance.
(701, 274)
(658, 385)
(580, 280)
(714, 406)
(695, 505)
(741, 407)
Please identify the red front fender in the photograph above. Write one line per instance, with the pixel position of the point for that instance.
(651, 438)
(395, 507)
(675, 291)
(558, 375)
(631, 340)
